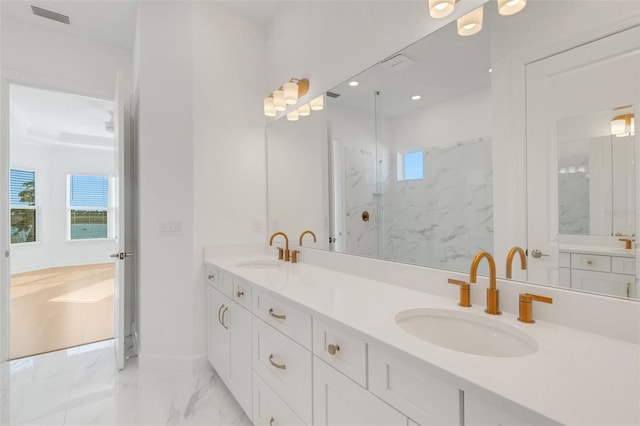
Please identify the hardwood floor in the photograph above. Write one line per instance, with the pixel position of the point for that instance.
(58, 308)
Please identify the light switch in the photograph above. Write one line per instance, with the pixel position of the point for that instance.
(170, 228)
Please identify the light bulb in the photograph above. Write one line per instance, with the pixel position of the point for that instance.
(278, 100)
(304, 110)
(317, 104)
(290, 93)
(510, 7)
(441, 8)
(471, 23)
(293, 116)
(269, 109)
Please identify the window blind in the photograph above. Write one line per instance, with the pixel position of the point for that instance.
(22, 188)
(88, 191)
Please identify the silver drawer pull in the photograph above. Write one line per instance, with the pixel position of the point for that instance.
(281, 317)
(589, 262)
(275, 364)
(240, 293)
(332, 349)
(211, 276)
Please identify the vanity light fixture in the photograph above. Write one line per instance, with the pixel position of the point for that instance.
(269, 108)
(278, 100)
(293, 115)
(471, 23)
(441, 8)
(623, 125)
(304, 110)
(317, 104)
(287, 94)
(510, 7)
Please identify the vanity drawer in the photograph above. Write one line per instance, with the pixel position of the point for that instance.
(225, 283)
(623, 265)
(242, 292)
(591, 262)
(341, 349)
(412, 388)
(269, 409)
(285, 366)
(284, 316)
(211, 275)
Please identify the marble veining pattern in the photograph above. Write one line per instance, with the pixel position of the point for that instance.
(81, 386)
(444, 219)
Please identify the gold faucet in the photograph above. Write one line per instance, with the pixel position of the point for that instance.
(526, 309)
(493, 304)
(627, 242)
(287, 254)
(523, 259)
(307, 232)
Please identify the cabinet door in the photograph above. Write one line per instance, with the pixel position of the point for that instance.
(602, 282)
(238, 320)
(340, 401)
(218, 344)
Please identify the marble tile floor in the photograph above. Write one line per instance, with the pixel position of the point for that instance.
(81, 386)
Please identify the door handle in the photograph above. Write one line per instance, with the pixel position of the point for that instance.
(537, 254)
(121, 255)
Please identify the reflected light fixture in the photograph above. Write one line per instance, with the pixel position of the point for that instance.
(317, 104)
(416, 97)
(510, 7)
(353, 83)
(623, 125)
(441, 8)
(293, 116)
(269, 108)
(471, 23)
(304, 110)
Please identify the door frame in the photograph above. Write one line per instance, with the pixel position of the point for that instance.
(7, 78)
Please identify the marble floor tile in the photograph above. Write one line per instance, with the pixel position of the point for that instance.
(82, 386)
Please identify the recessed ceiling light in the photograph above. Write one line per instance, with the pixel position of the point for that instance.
(353, 83)
(416, 97)
(490, 69)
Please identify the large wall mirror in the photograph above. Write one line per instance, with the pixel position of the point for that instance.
(401, 164)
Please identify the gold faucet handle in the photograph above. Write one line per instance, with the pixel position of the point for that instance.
(294, 256)
(465, 292)
(526, 306)
(280, 253)
(287, 255)
(627, 242)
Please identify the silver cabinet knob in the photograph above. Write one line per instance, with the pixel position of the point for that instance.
(332, 349)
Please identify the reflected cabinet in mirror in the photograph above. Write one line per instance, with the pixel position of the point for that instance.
(457, 145)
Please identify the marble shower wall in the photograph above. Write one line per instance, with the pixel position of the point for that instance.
(446, 218)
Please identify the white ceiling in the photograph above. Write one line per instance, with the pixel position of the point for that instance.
(50, 117)
(111, 22)
(445, 66)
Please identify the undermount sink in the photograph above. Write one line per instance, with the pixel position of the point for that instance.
(466, 332)
(260, 264)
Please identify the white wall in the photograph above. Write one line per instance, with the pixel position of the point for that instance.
(200, 145)
(52, 165)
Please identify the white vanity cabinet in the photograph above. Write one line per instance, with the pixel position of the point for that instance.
(229, 337)
(599, 273)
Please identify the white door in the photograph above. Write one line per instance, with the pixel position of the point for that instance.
(595, 77)
(123, 219)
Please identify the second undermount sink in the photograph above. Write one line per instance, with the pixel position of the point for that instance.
(466, 332)
(260, 264)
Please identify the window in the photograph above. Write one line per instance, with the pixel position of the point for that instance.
(88, 207)
(410, 165)
(22, 200)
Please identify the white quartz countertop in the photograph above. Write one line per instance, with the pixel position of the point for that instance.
(575, 377)
(607, 251)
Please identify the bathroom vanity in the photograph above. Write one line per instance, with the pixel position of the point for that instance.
(304, 344)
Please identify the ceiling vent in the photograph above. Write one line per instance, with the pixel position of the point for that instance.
(333, 95)
(38, 11)
(397, 63)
